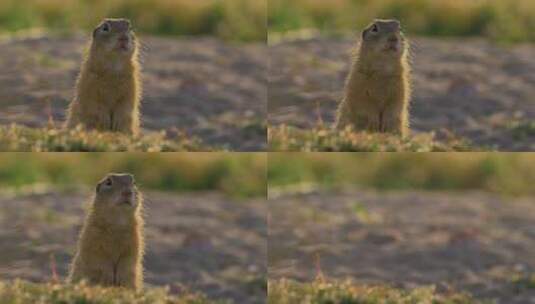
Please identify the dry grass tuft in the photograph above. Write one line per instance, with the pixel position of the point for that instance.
(23, 139)
(321, 139)
(289, 292)
(25, 292)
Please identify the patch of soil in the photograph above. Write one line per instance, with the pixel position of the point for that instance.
(470, 242)
(469, 88)
(201, 242)
(202, 87)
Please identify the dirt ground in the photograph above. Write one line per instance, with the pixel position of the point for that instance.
(469, 242)
(198, 242)
(203, 87)
(467, 88)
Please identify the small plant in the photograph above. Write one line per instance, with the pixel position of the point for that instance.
(523, 130)
(363, 215)
(523, 282)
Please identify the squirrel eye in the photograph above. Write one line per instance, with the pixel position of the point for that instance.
(375, 28)
(105, 27)
(108, 182)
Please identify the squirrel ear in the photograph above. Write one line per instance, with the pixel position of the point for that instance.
(365, 32)
(367, 29)
(397, 25)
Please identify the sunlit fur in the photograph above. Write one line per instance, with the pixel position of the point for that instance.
(108, 89)
(377, 90)
(110, 248)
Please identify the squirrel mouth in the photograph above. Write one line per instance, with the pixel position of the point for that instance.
(392, 48)
(123, 46)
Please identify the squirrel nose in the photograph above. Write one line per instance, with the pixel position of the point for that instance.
(393, 39)
(127, 193)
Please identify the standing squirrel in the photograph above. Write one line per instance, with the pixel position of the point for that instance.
(377, 90)
(110, 248)
(108, 89)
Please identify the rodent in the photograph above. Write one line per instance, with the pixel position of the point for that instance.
(108, 88)
(377, 90)
(111, 243)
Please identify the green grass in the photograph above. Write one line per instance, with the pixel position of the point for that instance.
(239, 175)
(241, 20)
(501, 173)
(320, 139)
(500, 20)
(21, 292)
(320, 292)
(20, 138)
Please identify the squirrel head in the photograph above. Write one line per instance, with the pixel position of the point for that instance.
(384, 38)
(117, 192)
(115, 37)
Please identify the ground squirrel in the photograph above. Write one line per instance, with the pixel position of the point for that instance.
(110, 247)
(377, 89)
(108, 89)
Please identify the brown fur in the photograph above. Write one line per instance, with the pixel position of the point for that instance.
(377, 89)
(108, 89)
(110, 247)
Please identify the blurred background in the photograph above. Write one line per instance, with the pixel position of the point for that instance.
(241, 20)
(501, 20)
(194, 203)
(503, 173)
(238, 175)
(454, 222)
